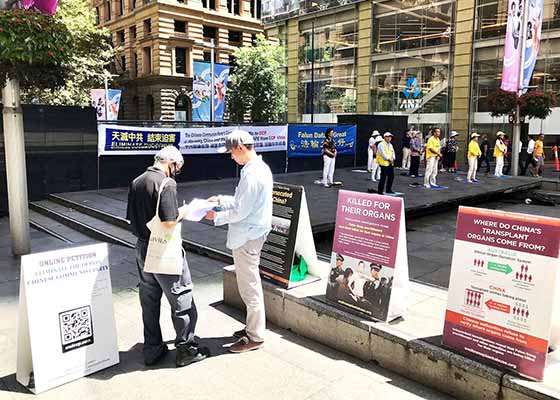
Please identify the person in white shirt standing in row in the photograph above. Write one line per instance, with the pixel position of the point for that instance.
(371, 150)
(529, 155)
(249, 215)
(500, 150)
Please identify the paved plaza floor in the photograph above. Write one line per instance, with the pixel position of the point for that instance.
(289, 366)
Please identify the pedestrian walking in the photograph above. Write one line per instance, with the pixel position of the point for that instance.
(528, 156)
(249, 217)
(371, 150)
(433, 154)
(452, 148)
(538, 156)
(155, 191)
(406, 150)
(472, 157)
(329, 158)
(386, 161)
(485, 154)
(500, 150)
(415, 153)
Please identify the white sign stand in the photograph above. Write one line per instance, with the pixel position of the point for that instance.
(66, 327)
(305, 244)
(401, 284)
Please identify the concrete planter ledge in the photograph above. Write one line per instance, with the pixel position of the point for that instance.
(410, 346)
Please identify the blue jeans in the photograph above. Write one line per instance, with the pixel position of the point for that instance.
(178, 291)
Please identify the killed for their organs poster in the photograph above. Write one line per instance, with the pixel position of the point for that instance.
(504, 276)
(369, 265)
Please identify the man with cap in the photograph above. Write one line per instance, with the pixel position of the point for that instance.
(335, 277)
(433, 154)
(142, 203)
(386, 160)
(371, 286)
(500, 150)
(371, 150)
(472, 157)
(249, 217)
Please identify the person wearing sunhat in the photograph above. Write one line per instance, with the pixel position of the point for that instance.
(472, 156)
(452, 148)
(249, 217)
(371, 150)
(386, 160)
(500, 150)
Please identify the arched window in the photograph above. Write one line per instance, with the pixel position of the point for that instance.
(182, 108)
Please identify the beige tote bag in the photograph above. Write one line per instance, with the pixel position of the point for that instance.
(165, 247)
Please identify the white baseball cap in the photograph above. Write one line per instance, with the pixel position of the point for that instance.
(387, 134)
(236, 138)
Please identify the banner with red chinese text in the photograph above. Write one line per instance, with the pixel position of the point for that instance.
(501, 300)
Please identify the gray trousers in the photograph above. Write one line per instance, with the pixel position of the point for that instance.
(178, 291)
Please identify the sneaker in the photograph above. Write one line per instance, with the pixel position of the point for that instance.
(435, 186)
(159, 357)
(427, 186)
(475, 180)
(239, 334)
(327, 185)
(419, 176)
(244, 345)
(390, 192)
(187, 355)
(469, 181)
(413, 176)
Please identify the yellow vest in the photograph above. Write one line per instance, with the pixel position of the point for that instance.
(432, 147)
(499, 149)
(380, 160)
(474, 149)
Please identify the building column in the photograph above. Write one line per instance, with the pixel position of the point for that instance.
(461, 82)
(363, 59)
(293, 43)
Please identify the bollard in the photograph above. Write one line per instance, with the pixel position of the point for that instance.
(556, 163)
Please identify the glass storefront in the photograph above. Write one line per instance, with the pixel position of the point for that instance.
(490, 26)
(412, 61)
(326, 65)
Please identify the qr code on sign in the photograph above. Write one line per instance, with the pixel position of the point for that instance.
(76, 328)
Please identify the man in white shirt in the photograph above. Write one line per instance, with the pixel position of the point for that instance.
(529, 155)
(371, 150)
(249, 216)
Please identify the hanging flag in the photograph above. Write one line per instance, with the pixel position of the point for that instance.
(98, 102)
(534, 25)
(45, 6)
(512, 49)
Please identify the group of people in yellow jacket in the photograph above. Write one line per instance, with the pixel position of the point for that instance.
(500, 150)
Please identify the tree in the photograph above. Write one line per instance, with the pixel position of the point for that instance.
(257, 86)
(89, 54)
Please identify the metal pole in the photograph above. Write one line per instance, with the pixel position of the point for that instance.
(312, 70)
(212, 80)
(517, 127)
(16, 175)
(106, 96)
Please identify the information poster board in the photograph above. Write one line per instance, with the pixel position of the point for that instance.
(291, 234)
(369, 264)
(504, 276)
(66, 327)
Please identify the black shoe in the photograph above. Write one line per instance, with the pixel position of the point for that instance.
(159, 357)
(389, 192)
(239, 334)
(187, 355)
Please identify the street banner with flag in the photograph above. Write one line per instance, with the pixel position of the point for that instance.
(534, 25)
(98, 102)
(201, 91)
(221, 77)
(45, 6)
(512, 49)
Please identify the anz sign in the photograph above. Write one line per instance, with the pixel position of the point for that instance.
(411, 94)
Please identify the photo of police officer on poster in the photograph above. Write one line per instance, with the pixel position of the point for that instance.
(360, 285)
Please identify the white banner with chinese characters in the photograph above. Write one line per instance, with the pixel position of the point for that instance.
(131, 140)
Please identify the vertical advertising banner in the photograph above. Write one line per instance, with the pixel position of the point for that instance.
(66, 327)
(306, 140)
(504, 277)
(277, 255)
(98, 102)
(512, 49)
(221, 73)
(202, 92)
(534, 25)
(369, 267)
